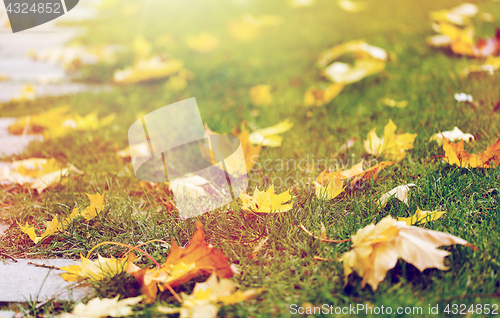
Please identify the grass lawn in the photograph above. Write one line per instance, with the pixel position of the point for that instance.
(284, 57)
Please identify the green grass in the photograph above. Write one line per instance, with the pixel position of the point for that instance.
(282, 56)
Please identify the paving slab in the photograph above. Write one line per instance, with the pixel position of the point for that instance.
(21, 281)
(3, 228)
(7, 314)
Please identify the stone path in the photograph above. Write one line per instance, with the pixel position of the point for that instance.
(22, 281)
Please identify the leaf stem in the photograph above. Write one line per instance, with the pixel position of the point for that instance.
(125, 245)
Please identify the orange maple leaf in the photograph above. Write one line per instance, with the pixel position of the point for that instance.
(181, 265)
(456, 154)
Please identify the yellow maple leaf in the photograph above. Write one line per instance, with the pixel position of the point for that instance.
(57, 122)
(27, 93)
(421, 217)
(455, 154)
(4, 77)
(142, 48)
(352, 6)
(391, 145)
(247, 28)
(329, 184)
(207, 297)
(260, 95)
(243, 30)
(233, 163)
(318, 97)
(181, 265)
(340, 72)
(105, 307)
(90, 212)
(266, 201)
(361, 49)
(154, 68)
(376, 249)
(52, 227)
(269, 136)
(98, 269)
(491, 65)
(179, 81)
(205, 42)
(458, 15)
(40, 173)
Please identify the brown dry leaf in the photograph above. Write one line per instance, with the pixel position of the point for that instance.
(455, 154)
(181, 265)
(377, 248)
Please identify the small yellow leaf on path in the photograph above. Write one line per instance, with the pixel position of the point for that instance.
(98, 269)
(28, 92)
